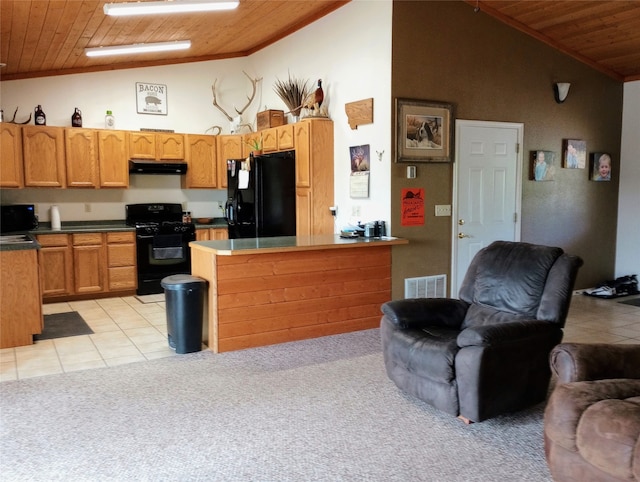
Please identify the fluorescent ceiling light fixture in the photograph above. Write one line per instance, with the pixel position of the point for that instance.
(137, 48)
(170, 6)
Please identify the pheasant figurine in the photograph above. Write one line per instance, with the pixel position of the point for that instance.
(314, 100)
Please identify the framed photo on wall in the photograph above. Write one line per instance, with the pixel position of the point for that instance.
(600, 166)
(424, 131)
(574, 154)
(151, 98)
(543, 165)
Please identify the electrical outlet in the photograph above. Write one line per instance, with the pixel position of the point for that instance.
(443, 209)
(355, 211)
(87, 208)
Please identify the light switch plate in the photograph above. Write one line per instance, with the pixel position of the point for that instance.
(443, 209)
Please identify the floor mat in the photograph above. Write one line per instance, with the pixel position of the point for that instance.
(634, 302)
(151, 298)
(61, 325)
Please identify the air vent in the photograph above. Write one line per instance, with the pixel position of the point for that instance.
(426, 287)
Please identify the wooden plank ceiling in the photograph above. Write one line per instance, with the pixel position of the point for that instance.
(41, 37)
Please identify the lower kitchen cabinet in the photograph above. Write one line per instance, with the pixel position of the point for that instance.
(55, 259)
(211, 234)
(76, 265)
(121, 261)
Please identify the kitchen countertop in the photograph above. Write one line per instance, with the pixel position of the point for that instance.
(281, 244)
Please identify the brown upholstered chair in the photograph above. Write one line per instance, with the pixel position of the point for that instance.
(592, 420)
(486, 353)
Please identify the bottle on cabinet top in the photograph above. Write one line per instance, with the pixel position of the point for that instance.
(109, 120)
(40, 117)
(76, 118)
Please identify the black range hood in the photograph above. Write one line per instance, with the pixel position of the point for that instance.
(142, 166)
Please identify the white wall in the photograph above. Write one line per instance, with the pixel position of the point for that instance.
(350, 49)
(628, 238)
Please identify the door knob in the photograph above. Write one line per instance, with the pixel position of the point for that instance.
(462, 235)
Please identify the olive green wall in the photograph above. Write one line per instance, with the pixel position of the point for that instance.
(443, 51)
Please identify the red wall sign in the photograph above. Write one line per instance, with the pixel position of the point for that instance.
(412, 206)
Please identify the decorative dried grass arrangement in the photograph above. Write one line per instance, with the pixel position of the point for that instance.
(292, 92)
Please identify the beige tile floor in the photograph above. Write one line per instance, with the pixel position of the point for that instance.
(127, 331)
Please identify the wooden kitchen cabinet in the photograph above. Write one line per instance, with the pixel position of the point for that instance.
(88, 263)
(200, 155)
(159, 146)
(113, 158)
(55, 260)
(211, 234)
(228, 147)
(279, 138)
(43, 156)
(20, 301)
(11, 166)
(121, 261)
(313, 140)
(81, 155)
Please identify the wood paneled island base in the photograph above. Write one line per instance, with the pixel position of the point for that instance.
(274, 290)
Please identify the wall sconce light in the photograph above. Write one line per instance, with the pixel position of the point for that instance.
(560, 91)
(137, 48)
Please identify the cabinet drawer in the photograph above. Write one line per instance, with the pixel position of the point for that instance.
(47, 240)
(121, 255)
(124, 237)
(87, 239)
(122, 278)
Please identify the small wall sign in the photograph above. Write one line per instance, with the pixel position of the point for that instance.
(151, 98)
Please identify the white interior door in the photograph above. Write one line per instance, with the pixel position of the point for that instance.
(487, 190)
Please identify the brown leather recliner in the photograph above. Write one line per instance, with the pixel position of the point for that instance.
(592, 420)
(486, 353)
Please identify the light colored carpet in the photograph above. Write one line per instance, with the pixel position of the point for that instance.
(316, 410)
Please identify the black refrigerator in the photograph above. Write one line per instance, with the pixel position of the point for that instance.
(261, 196)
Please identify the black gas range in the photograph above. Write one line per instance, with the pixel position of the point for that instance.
(162, 243)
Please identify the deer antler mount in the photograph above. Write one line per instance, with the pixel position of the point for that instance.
(236, 122)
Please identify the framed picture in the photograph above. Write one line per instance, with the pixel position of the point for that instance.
(600, 166)
(151, 98)
(424, 131)
(574, 154)
(543, 165)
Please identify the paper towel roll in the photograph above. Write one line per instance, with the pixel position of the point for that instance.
(55, 218)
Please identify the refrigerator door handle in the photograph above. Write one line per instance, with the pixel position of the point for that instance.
(230, 212)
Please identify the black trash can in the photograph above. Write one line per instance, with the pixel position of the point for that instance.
(184, 296)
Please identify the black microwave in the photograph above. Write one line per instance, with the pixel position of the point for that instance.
(17, 217)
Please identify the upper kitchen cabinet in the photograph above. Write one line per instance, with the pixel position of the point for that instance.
(81, 154)
(229, 147)
(314, 176)
(11, 170)
(113, 157)
(200, 155)
(44, 157)
(278, 138)
(159, 146)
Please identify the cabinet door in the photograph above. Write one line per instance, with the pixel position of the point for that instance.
(229, 147)
(88, 263)
(202, 170)
(202, 234)
(249, 141)
(55, 261)
(169, 147)
(142, 145)
(219, 233)
(43, 153)
(113, 158)
(285, 137)
(304, 212)
(303, 154)
(11, 170)
(270, 140)
(81, 158)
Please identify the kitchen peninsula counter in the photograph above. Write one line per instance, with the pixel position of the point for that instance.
(264, 291)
